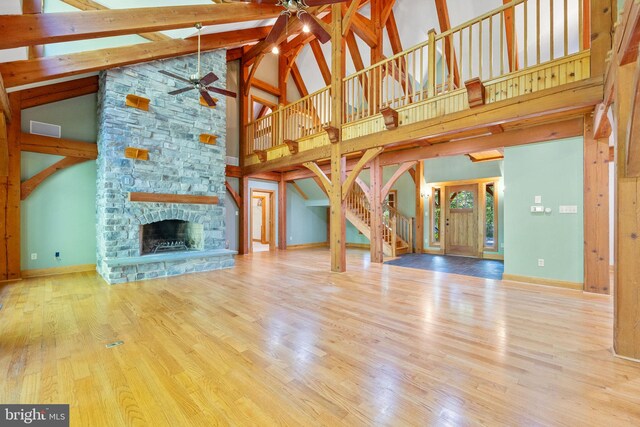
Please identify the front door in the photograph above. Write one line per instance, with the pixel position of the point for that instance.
(461, 220)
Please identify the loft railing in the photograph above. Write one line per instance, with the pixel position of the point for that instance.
(517, 36)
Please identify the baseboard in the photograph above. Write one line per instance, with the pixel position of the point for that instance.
(546, 282)
(433, 251)
(308, 245)
(497, 257)
(358, 246)
(42, 272)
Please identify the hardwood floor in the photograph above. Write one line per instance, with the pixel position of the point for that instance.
(281, 340)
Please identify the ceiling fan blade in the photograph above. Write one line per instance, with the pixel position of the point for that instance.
(321, 2)
(208, 79)
(278, 28)
(208, 99)
(321, 34)
(174, 76)
(222, 91)
(183, 90)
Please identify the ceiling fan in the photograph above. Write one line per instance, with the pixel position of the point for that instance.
(201, 84)
(298, 7)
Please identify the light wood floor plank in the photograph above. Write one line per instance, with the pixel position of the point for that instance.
(278, 340)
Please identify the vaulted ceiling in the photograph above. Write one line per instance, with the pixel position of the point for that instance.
(413, 17)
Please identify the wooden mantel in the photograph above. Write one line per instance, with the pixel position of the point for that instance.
(173, 198)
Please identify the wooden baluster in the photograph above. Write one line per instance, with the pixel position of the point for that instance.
(566, 28)
(502, 43)
(469, 31)
(551, 52)
(514, 41)
(421, 82)
(432, 63)
(526, 33)
(580, 27)
(491, 46)
(537, 32)
(393, 236)
(480, 50)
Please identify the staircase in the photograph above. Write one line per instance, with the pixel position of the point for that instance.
(397, 229)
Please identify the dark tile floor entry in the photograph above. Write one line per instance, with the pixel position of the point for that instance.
(486, 268)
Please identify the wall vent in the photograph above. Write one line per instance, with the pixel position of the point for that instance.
(45, 129)
(233, 161)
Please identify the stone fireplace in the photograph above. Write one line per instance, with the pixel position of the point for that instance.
(175, 232)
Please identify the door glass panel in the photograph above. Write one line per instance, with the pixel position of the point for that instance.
(461, 200)
(435, 230)
(489, 230)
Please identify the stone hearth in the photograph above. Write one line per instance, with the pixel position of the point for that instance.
(178, 164)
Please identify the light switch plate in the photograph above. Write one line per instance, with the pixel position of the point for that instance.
(538, 199)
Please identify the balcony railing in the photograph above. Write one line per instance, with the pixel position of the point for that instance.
(514, 38)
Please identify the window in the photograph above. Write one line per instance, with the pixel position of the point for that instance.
(436, 215)
(461, 200)
(490, 217)
(392, 199)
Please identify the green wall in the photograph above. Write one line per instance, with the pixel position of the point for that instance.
(553, 170)
(305, 224)
(460, 168)
(59, 216)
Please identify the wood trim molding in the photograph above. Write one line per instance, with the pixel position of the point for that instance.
(172, 198)
(308, 245)
(234, 194)
(545, 282)
(58, 146)
(54, 271)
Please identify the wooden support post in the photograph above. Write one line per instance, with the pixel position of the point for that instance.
(375, 189)
(601, 41)
(419, 178)
(282, 214)
(376, 21)
(337, 238)
(245, 195)
(596, 212)
(627, 231)
(10, 198)
(283, 68)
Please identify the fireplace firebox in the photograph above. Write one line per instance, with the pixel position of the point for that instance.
(171, 235)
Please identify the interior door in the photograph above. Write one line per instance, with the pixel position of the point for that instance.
(461, 221)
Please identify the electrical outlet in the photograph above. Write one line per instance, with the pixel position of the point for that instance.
(34, 256)
(540, 262)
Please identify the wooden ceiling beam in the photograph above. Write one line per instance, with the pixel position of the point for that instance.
(510, 35)
(321, 61)
(449, 53)
(362, 27)
(394, 36)
(19, 73)
(347, 15)
(92, 5)
(59, 92)
(298, 80)
(354, 51)
(27, 30)
(58, 146)
(266, 87)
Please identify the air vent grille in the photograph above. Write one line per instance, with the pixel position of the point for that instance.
(45, 129)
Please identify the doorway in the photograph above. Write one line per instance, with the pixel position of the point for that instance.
(461, 220)
(262, 220)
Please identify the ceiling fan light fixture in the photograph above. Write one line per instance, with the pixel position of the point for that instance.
(305, 28)
(275, 50)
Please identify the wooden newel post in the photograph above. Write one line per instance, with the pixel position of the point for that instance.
(432, 64)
